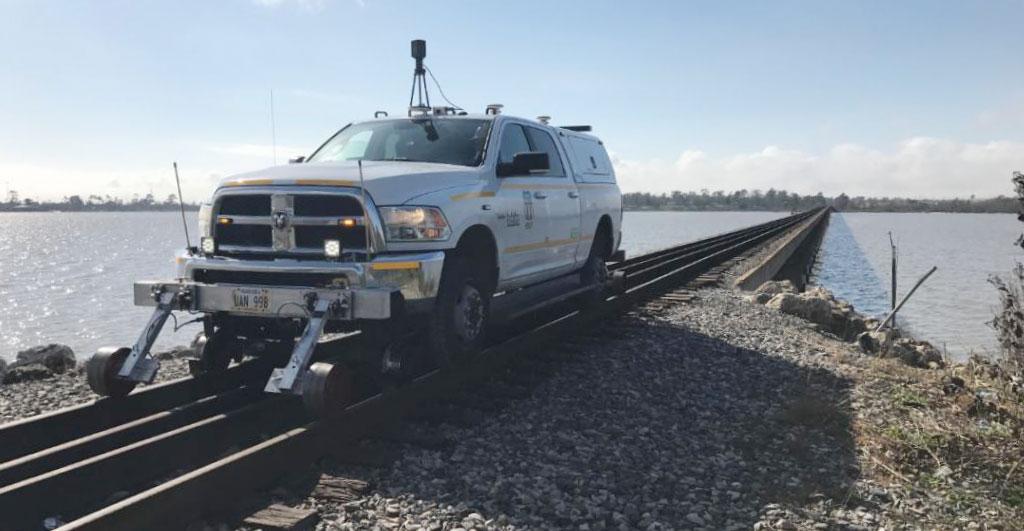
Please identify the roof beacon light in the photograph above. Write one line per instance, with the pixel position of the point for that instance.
(544, 119)
(494, 109)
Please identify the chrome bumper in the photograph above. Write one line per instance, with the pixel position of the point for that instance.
(416, 275)
(266, 301)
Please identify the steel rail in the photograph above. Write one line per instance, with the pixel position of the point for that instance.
(214, 487)
(37, 433)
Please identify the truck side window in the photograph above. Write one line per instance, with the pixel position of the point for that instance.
(513, 140)
(542, 141)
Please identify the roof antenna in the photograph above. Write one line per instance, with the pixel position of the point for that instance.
(419, 79)
(181, 203)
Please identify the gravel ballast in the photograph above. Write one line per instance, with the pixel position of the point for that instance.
(720, 414)
(57, 391)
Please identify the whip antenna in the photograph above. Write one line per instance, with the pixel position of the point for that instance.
(181, 204)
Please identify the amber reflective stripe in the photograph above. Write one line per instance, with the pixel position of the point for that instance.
(250, 182)
(539, 245)
(471, 195)
(297, 182)
(392, 266)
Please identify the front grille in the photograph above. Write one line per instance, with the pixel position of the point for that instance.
(309, 219)
(245, 235)
(306, 280)
(245, 205)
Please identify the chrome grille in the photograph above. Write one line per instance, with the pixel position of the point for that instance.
(287, 224)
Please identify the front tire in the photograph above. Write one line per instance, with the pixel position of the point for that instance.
(461, 312)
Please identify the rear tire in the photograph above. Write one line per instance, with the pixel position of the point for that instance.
(458, 325)
(595, 272)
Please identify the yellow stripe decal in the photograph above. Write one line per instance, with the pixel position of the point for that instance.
(249, 182)
(297, 182)
(539, 245)
(394, 266)
(471, 195)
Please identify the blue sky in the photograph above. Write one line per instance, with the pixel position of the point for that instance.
(876, 98)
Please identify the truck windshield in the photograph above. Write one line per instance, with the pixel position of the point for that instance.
(447, 141)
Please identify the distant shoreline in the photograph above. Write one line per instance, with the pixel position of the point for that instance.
(786, 211)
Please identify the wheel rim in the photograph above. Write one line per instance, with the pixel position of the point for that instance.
(469, 314)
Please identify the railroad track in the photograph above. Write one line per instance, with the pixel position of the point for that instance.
(193, 448)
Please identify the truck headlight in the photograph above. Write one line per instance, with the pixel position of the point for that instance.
(415, 223)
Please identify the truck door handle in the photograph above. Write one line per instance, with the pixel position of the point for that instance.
(574, 194)
(540, 195)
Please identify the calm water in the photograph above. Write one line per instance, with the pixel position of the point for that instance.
(66, 277)
(953, 306)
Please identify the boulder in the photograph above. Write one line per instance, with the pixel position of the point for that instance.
(874, 342)
(773, 288)
(58, 358)
(819, 292)
(26, 373)
(915, 353)
(813, 309)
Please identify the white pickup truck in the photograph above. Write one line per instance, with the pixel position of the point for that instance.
(391, 224)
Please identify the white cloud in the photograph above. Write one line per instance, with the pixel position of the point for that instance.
(916, 167)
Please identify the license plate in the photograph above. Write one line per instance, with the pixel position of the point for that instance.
(252, 300)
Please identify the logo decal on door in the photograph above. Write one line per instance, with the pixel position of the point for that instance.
(528, 209)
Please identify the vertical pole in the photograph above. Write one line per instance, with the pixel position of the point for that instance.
(892, 306)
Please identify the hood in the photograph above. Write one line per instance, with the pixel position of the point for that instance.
(387, 182)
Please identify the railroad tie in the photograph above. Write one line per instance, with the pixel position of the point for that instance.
(283, 518)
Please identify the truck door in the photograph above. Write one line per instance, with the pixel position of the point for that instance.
(562, 204)
(534, 247)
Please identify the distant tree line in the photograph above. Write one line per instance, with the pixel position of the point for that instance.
(92, 203)
(781, 200)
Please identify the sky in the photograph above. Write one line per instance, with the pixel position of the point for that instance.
(921, 99)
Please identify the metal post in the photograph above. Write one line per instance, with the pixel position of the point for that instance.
(906, 298)
(892, 306)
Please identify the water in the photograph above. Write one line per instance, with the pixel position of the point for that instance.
(643, 232)
(952, 308)
(67, 277)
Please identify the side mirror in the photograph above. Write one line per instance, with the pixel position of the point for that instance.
(297, 160)
(525, 164)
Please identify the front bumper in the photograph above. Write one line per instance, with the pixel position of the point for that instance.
(267, 301)
(416, 275)
(279, 288)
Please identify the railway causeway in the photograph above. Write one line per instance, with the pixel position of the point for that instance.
(202, 448)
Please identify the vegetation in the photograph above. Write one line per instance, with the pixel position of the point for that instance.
(93, 203)
(781, 200)
(1009, 321)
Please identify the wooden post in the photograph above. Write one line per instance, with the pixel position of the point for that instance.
(907, 297)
